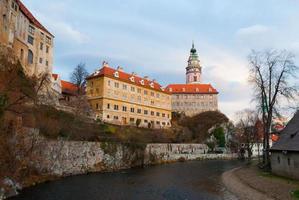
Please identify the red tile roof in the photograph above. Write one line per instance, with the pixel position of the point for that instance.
(31, 18)
(191, 89)
(69, 88)
(126, 77)
(55, 76)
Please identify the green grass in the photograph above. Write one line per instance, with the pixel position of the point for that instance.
(273, 176)
(295, 194)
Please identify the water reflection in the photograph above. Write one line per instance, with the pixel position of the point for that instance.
(179, 181)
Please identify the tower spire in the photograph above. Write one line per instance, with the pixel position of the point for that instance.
(193, 70)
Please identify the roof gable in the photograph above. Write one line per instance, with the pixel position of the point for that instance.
(289, 137)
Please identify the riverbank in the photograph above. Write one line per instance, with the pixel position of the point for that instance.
(250, 183)
(61, 158)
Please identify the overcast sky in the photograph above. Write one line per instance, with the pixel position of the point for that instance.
(154, 38)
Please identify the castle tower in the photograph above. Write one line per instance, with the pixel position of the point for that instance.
(193, 70)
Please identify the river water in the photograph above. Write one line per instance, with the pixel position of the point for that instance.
(200, 180)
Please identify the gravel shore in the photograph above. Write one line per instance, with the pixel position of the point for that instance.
(248, 183)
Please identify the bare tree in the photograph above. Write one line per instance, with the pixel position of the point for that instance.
(246, 129)
(270, 74)
(78, 76)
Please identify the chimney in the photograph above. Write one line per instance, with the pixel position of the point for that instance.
(146, 78)
(105, 64)
(134, 74)
(119, 68)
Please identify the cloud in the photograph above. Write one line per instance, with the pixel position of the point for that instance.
(253, 30)
(66, 32)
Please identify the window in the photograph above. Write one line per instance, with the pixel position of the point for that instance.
(139, 90)
(41, 46)
(132, 89)
(116, 85)
(163, 114)
(115, 107)
(109, 82)
(22, 54)
(48, 40)
(115, 117)
(278, 159)
(42, 35)
(145, 112)
(97, 106)
(145, 92)
(132, 110)
(47, 49)
(124, 87)
(168, 116)
(195, 78)
(152, 113)
(152, 94)
(158, 114)
(145, 121)
(132, 120)
(108, 116)
(152, 102)
(289, 161)
(138, 111)
(124, 108)
(30, 57)
(158, 95)
(108, 106)
(40, 60)
(30, 40)
(31, 29)
(47, 63)
(157, 122)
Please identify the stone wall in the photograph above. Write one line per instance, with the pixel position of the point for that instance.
(70, 157)
(285, 164)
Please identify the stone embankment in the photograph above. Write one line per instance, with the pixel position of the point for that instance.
(65, 158)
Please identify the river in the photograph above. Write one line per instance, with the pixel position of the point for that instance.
(200, 180)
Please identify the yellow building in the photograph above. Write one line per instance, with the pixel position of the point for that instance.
(122, 98)
(30, 40)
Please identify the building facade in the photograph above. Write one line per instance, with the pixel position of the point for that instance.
(30, 40)
(121, 98)
(193, 97)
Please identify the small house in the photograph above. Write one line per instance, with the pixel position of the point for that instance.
(285, 152)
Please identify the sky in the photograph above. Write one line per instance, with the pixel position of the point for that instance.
(154, 37)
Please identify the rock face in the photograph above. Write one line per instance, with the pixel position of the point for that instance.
(69, 157)
(64, 158)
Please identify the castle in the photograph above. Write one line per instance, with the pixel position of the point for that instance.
(193, 97)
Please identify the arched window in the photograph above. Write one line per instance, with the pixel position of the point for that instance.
(30, 57)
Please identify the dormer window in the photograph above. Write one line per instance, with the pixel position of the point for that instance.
(184, 90)
(116, 74)
(142, 82)
(132, 79)
(152, 85)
